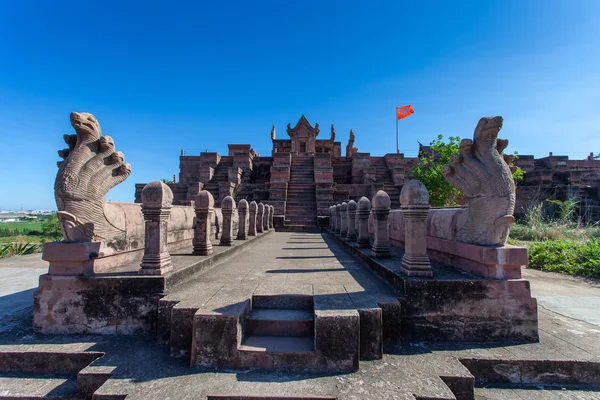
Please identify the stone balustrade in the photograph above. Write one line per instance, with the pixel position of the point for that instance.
(157, 201)
(227, 208)
(343, 219)
(243, 220)
(253, 208)
(363, 211)
(381, 234)
(204, 207)
(351, 220)
(259, 217)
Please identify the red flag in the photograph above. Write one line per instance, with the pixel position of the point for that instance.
(405, 111)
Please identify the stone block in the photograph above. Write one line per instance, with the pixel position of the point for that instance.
(337, 338)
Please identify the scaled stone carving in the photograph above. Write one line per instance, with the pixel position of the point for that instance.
(484, 178)
(91, 167)
(350, 149)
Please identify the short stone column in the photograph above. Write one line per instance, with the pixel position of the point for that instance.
(338, 221)
(265, 221)
(351, 218)
(243, 217)
(343, 219)
(362, 217)
(204, 205)
(271, 215)
(252, 220)
(414, 202)
(259, 217)
(381, 235)
(227, 209)
(157, 199)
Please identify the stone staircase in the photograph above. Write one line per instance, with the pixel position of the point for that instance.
(282, 331)
(279, 333)
(221, 174)
(384, 176)
(301, 205)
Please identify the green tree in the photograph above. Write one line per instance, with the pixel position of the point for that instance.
(51, 229)
(429, 171)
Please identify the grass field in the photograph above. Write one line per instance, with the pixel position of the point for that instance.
(34, 226)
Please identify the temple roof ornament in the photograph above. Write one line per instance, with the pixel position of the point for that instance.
(332, 138)
(303, 123)
(273, 133)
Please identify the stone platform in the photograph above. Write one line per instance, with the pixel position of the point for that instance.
(274, 348)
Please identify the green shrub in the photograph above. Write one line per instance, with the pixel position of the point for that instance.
(18, 249)
(567, 257)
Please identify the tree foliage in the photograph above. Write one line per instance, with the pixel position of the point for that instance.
(429, 171)
(51, 229)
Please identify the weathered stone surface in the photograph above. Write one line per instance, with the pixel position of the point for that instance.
(414, 200)
(271, 216)
(204, 206)
(243, 220)
(344, 219)
(91, 167)
(227, 208)
(351, 220)
(485, 180)
(381, 211)
(157, 203)
(260, 217)
(253, 210)
(362, 219)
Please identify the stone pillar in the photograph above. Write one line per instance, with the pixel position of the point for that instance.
(338, 221)
(265, 221)
(243, 217)
(381, 236)
(259, 217)
(351, 218)
(414, 202)
(157, 199)
(227, 209)
(204, 206)
(271, 214)
(362, 216)
(343, 219)
(330, 218)
(252, 223)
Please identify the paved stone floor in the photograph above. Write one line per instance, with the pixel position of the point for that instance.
(309, 262)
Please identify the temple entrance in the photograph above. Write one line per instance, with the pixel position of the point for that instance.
(302, 147)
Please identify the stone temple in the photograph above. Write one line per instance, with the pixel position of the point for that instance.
(305, 175)
(303, 275)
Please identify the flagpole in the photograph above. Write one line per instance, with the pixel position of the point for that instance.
(397, 149)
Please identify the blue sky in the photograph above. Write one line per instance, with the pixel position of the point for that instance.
(166, 76)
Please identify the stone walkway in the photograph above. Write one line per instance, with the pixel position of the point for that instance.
(316, 264)
(303, 263)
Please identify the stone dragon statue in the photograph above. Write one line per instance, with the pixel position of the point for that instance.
(92, 167)
(482, 174)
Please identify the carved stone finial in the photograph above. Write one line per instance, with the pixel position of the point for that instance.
(362, 215)
(351, 211)
(332, 137)
(484, 178)
(204, 207)
(253, 209)
(381, 201)
(227, 209)
(156, 207)
(381, 234)
(273, 133)
(414, 193)
(243, 220)
(91, 167)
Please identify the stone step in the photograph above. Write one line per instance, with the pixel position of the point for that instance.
(288, 301)
(38, 386)
(278, 345)
(280, 322)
